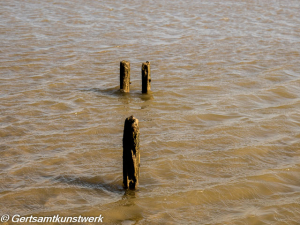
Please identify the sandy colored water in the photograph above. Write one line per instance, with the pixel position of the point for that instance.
(219, 132)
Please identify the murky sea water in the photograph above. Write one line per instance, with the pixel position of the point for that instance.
(220, 132)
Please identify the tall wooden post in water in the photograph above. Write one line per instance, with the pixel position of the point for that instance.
(125, 76)
(131, 153)
(146, 78)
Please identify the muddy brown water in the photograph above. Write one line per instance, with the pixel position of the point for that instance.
(219, 133)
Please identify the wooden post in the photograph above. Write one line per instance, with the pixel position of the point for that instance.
(124, 76)
(146, 78)
(131, 153)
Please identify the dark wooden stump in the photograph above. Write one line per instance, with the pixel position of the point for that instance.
(146, 78)
(131, 153)
(125, 76)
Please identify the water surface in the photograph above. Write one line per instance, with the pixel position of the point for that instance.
(219, 132)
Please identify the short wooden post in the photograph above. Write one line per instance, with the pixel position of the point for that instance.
(131, 153)
(146, 78)
(125, 76)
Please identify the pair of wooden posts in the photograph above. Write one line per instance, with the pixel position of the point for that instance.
(125, 77)
(131, 135)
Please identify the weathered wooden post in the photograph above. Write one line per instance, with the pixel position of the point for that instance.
(131, 153)
(125, 76)
(146, 78)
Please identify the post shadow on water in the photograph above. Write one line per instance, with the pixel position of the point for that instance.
(96, 183)
(131, 211)
(117, 93)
